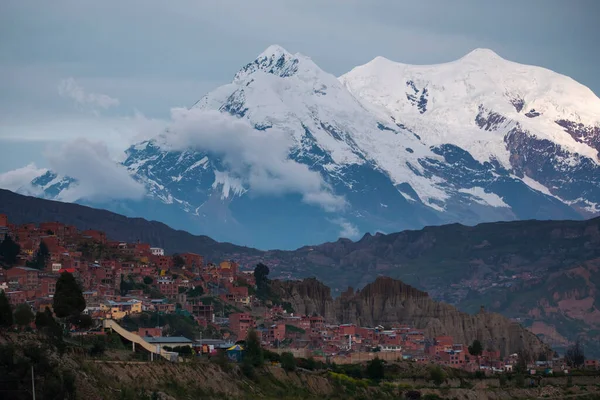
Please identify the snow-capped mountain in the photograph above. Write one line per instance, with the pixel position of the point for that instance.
(395, 146)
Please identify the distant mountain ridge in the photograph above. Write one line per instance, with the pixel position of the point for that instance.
(474, 140)
(26, 209)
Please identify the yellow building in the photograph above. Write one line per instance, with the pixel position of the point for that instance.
(119, 309)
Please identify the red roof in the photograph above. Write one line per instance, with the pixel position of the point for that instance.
(69, 270)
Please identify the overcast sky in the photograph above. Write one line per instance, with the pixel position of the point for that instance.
(100, 70)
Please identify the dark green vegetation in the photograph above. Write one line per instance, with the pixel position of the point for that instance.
(68, 301)
(176, 324)
(18, 363)
(42, 255)
(9, 250)
(6, 316)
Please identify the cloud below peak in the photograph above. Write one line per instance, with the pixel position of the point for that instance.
(259, 159)
(99, 178)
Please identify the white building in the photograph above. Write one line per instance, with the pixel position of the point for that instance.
(157, 251)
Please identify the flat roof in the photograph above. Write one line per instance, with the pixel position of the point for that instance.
(169, 339)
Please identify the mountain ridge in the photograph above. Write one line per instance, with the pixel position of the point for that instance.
(386, 147)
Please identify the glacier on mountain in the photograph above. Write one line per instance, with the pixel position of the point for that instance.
(385, 147)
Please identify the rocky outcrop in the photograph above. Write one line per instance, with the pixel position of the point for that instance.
(387, 301)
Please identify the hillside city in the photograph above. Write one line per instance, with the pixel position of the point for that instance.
(121, 282)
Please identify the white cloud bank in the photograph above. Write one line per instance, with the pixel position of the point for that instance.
(348, 230)
(259, 159)
(20, 178)
(98, 176)
(69, 88)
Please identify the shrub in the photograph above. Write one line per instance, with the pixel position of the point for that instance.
(502, 380)
(437, 375)
(519, 380)
(375, 369)
(288, 362)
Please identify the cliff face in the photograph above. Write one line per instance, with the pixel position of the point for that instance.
(388, 301)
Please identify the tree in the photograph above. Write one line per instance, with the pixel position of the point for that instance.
(41, 257)
(82, 321)
(261, 271)
(476, 348)
(45, 322)
(23, 315)
(6, 316)
(375, 369)
(574, 355)
(68, 298)
(178, 261)
(437, 375)
(253, 353)
(197, 291)
(9, 250)
(148, 280)
(288, 362)
(98, 348)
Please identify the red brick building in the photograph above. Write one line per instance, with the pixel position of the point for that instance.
(192, 260)
(240, 324)
(25, 277)
(95, 235)
(276, 333)
(16, 297)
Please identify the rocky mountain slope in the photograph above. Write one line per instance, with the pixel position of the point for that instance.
(385, 147)
(388, 301)
(543, 273)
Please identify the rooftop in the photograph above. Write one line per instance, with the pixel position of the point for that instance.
(165, 340)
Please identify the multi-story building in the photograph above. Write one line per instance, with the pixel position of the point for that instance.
(24, 277)
(157, 251)
(241, 323)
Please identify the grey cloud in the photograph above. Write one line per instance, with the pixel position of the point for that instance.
(258, 159)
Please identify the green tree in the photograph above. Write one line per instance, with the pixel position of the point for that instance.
(6, 316)
(575, 356)
(9, 250)
(437, 375)
(261, 273)
(23, 315)
(476, 348)
(288, 362)
(41, 257)
(148, 280)
(68, 298)
(178, 261)
(253, 352)
(197, 291)
(375, 369)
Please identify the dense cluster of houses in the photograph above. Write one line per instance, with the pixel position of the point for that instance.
(121, 279)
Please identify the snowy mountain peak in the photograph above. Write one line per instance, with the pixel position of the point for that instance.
(482, 55)
(274, 51)
(385, 147)
(274, 60)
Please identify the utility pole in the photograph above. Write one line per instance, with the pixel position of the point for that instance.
(32, 383)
